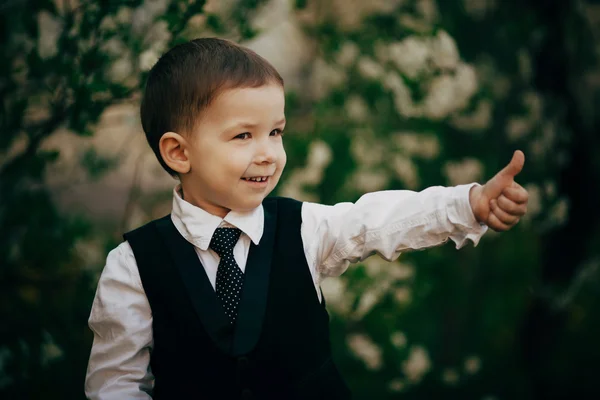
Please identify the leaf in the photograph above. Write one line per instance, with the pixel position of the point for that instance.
(97, 165)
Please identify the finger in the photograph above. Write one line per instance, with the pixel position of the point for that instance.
(516, 193)
(511, 207)
(505, 177)
(503, 216)
(514, 166)
(497, 225)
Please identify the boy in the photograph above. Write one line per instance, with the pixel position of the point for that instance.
(221, 299)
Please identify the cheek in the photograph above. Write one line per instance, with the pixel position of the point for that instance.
(281, 159)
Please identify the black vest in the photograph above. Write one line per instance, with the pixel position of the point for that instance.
(279, 347)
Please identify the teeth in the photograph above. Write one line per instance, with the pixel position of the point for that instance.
(257, 179)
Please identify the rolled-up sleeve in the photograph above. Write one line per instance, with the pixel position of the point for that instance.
(121, 321)
(386, 223)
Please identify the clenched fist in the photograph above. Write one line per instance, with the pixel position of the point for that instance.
(501, 202)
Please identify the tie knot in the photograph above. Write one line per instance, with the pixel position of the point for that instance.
(224, 239)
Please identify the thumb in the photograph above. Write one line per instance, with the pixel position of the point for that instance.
(514, 166)
(494, 187)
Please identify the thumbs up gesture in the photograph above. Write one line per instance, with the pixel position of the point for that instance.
(501, 202)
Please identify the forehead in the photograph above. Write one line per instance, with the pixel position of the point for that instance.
(253, 102)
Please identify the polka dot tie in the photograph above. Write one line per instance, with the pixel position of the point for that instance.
(230, 277)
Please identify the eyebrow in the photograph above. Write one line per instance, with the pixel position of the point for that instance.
(248, 125)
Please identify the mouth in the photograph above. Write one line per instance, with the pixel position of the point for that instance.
(257, 181)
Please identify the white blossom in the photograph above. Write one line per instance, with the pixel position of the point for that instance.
(472, 365)
(90, 251)
(403, 101)
(347, 54)
(366, 350)
(544, 144)
(398, 339)
(405, 170)
(368, 299)
(270, 14)
(49, 30)
(376, 266)
(534, 103)
(368, 180)
(403, 295)
(466, 84)
(158, 36)
(147, 59)
(49, 350)
(356, 108)
(326, 77)
(534, 202)
(441, 99)
(465, 171)
(413, 23)
(550, 188)
(444, 52)
(369, 68)
(417, 365)
(415, 144)
(108, 23)
(491, 77)
(366, 150)
(401, 271)
(144, 15)
(559, 212)
(124, 15)
(448, 94)
(478, 9)
(525, 67)
(501, 86)
(517, 128)
(397, 385)
(121, 69)
(410, 55)
(319, 154)
(479, 120)
(450, 376)
(381, 52)
(336, 292)
(427, 9)
(114, 47)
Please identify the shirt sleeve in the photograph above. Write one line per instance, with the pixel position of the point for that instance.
(121, 320)
(386, 223)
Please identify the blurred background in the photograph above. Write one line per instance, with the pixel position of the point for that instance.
(381, 94)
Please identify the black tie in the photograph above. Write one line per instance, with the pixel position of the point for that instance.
(230, 277)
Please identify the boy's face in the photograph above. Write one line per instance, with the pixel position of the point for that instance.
(236, 152)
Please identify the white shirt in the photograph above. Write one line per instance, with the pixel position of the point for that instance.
(386, 223)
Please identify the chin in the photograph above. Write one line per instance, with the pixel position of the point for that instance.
(247, 205)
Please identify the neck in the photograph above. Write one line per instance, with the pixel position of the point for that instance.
(210, 208)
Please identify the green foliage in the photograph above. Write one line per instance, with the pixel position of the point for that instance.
(64, 66)
(461, 311)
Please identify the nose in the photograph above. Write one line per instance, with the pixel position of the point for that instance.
(267, 154)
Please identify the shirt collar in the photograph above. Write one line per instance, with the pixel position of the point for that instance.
(197, 226)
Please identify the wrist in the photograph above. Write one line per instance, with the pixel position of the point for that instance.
(474, 196)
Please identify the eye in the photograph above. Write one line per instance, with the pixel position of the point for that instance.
(277, 132)
(245, 135)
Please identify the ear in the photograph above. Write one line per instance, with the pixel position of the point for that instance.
(174, 151)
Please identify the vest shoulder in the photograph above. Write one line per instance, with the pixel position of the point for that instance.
(282, 202)
(144, 229)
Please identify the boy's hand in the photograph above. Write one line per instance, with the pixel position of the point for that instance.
(501, 202)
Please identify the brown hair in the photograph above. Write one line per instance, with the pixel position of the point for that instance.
(188, 77)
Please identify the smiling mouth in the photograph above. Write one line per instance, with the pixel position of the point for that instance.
(256, 179)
